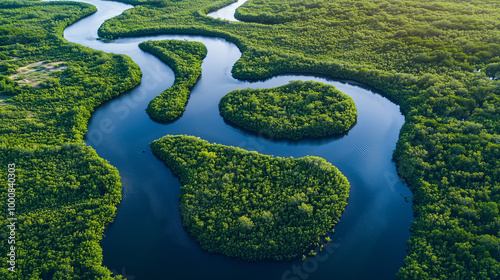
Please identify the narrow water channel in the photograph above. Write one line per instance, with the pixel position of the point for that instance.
(147, 240)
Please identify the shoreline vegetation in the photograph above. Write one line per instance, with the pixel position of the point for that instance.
(185, 59)
(251, 206)
(423, 55)
(294, 111)
(65, 193)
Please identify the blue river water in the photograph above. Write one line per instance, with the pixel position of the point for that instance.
(147, 240)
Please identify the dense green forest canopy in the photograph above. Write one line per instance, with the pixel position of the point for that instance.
(251, 206)
(438, 60)
(65, 193)
(293, 111)
(185, 59)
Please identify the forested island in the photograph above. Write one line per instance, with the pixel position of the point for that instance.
(185, 59)
(294, 111)
(251, 206)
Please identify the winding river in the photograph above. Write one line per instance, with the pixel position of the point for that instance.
(147, 240)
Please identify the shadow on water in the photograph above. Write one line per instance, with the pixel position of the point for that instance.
(306, 140)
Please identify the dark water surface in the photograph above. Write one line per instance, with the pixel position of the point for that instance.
(147, 240)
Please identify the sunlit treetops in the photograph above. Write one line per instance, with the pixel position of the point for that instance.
(293, 111)
(185, 58)
(251, 206)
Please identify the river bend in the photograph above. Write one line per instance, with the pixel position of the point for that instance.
(147, 240)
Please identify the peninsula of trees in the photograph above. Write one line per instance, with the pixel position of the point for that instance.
(251, 206)
(185, 59)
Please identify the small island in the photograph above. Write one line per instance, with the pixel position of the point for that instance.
(294, 111)
(185, 59)
(251, 206)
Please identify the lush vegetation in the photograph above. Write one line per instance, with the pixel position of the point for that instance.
(65, 193)
(185, 59)
(252, 206)
(294, 111)
(452, 167)
(425, 56)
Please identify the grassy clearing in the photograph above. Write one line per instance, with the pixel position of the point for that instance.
(35, 73)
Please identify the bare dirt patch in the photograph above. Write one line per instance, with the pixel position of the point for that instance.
(2, 101)
(35, 73)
